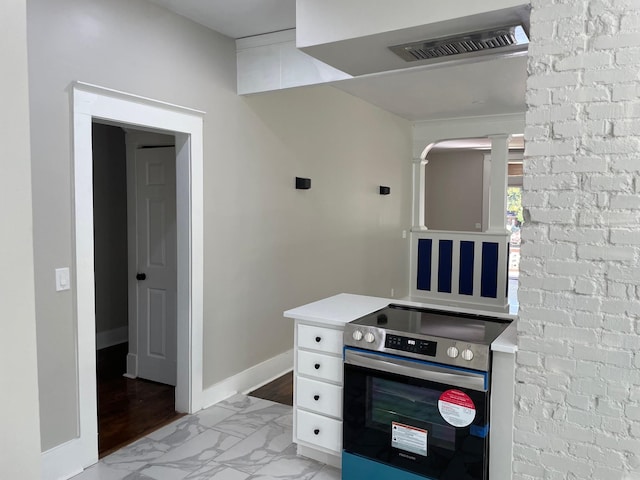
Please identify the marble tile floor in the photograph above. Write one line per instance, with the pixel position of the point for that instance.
(241, 438)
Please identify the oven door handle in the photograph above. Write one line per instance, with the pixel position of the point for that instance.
(453, 377)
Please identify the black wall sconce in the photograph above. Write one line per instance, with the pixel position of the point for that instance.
(384, 190)
(303, 183)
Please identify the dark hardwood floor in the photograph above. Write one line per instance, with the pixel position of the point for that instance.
(128, 409)
(280, 390)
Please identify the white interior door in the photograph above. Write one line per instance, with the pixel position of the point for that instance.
(156, 263)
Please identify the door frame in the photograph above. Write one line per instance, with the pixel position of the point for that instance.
(94, 102)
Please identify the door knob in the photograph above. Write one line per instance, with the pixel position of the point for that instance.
(141, 276)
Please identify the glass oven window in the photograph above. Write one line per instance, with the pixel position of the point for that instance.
(391, 401)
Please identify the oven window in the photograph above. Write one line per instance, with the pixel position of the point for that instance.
(411, 405)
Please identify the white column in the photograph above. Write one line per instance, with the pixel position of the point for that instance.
(498, 183)
(418, 193)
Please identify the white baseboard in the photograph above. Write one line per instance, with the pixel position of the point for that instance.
(249, 379)
(132, 365)
(62, 462)
(109, 338)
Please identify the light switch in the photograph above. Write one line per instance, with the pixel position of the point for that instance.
(62, 279)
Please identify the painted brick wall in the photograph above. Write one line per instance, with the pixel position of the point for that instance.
(578, 374)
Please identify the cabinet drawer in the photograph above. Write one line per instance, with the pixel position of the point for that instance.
(320, 366)
(320, 397)
(319, 338)
(318, 430)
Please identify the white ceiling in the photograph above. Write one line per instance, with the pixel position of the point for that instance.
(237, 18)
(487, 87)
(481, 87)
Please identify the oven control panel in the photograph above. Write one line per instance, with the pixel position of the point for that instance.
(413, 345)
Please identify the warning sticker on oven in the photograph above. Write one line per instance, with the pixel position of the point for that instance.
(457, 408)
(408, 438)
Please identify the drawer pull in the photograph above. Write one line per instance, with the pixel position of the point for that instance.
(318, 339)
(317, 366)
(316, 397)
(316, 431)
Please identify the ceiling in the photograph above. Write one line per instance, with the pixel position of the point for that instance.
(237, 18)
(483, 86)
(487, 87)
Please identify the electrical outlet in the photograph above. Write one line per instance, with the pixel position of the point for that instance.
(393, 291)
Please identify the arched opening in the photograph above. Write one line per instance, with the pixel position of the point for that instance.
(467, 220)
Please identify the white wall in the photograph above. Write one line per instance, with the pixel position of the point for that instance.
(453, 193)
(19, 422)
(268, 247)
(110, 227)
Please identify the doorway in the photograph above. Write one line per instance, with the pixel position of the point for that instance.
(91, 103)
(134, 232)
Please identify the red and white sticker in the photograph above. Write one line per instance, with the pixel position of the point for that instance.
(409, 438)
(457, 408)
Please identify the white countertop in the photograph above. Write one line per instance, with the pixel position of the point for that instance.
(339, 309)
(345, 307)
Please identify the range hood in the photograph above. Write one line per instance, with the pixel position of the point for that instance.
(501, 32)
(502, 40)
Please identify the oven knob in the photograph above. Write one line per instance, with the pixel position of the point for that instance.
(452, 352)
(369, 338)
(467, 355)
(357, 335)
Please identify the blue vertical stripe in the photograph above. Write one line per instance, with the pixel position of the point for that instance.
(424, 263)
(489, 276)
(445, 265)
(467, 253)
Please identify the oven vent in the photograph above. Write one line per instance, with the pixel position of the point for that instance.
(467, 43)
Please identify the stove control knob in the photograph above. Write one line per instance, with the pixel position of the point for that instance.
(467, 355)
(452, 352)
(357, 335)
(369, 338)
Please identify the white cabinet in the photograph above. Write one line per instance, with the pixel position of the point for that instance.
(317, 397)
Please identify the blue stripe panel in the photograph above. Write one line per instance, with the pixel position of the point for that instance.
(467, 250)
(445, 262)
(355, 467)
(481, 432)
(424, 263)
(489, 283)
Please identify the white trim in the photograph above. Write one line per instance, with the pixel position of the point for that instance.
(63, 461)
(430, 131)
(249, 379)
(112, 337)
(92, 102)
(132, 366)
